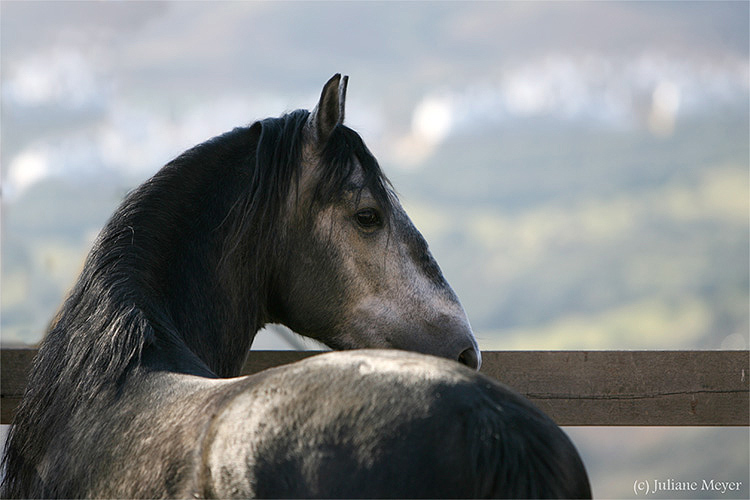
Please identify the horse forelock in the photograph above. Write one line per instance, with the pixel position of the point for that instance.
(343, 155)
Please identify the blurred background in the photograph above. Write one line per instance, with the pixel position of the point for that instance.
(580, 169)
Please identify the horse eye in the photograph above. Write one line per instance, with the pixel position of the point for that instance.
(368, 218)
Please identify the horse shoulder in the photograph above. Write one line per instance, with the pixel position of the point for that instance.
(149, 437)
(232, 437)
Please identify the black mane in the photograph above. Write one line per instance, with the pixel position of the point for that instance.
(183, 267)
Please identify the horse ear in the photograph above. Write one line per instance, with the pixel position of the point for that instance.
(255, 130)
(330, 109)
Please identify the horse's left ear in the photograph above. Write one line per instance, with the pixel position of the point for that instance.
(330, 109)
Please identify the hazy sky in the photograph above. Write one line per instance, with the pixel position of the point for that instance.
(89, 86)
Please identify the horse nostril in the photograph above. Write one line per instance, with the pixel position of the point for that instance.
(469, 358)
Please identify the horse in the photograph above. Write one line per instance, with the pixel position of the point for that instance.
(135, 389)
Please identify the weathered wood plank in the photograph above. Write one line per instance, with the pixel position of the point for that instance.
(14, 368)
(639, 388)
(607, 388)
(262, 360)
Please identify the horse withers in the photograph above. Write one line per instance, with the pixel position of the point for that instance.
(289, 220)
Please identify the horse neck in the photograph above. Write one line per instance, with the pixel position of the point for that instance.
(164, 251)
(210, 292)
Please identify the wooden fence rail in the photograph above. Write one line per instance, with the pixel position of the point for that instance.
(607, 388)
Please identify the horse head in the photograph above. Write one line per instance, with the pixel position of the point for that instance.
(354, 270)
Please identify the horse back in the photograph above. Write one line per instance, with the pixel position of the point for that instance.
(380, 424)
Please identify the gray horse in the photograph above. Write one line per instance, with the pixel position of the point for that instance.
(287, 221)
